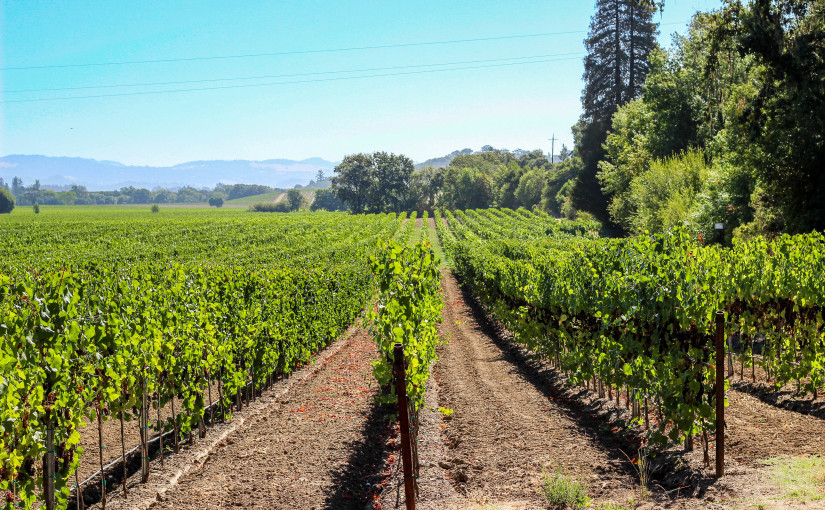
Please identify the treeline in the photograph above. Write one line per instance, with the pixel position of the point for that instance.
(382, 182)
(726, 126)
(79, 195)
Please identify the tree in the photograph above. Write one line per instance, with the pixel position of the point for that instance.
(564, 154)
(320, 176)
(327, 200)
(783, 121)
(466, 188)
(530, 187)
(6, 201)
(17, 187)
(294, 198)
(391, 184)
(425, 186)
(621, 37)
(3, 184)
(353, 182)
(215, 202)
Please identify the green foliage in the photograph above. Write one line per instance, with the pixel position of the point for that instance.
(279, 207)
(782, 122)
(155, 208)
(6, 201)
(36, 208)
(639, 312)
(665, 196)
(689, 97)
(408, 312)
(466, 188)
(563, 491)
(294, 199)
(378, 182)
(215, 202)
(326, 200)
(555, 197)
(530, 187)
(103, 325)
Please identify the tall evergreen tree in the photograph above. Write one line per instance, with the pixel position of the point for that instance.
(622, 35)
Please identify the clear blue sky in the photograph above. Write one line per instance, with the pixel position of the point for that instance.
(421, 115)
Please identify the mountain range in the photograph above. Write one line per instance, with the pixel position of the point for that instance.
(110, 175)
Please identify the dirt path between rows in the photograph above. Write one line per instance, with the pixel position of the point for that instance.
(506, 430)
(320, 446)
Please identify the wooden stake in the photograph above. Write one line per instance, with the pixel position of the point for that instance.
(404, 419)
(100, 451)
(123, 455)
(720, 394)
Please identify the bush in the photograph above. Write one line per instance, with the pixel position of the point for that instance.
(216, 202)
(155, 208)
(6, 201)
(281, 206)
(36, 208)
(565, 492)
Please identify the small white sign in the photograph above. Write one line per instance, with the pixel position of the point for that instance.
(719, 226)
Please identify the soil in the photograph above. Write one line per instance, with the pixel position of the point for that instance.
(316, 447)
(112, 447)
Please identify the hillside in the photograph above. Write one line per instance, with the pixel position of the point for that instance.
(111, 175)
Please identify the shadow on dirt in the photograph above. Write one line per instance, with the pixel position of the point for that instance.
(363, 475)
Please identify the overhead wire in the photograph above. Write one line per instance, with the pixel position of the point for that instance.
(290, 75)
(299, 52)
(317, 80)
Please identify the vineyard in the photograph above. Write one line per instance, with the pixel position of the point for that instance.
(637, 315)
(116, 318)
(127, 330)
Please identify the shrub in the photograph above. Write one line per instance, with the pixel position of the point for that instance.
(216, 202)
(565, 492)
(6, 201)
(36, 208)
(155, 208)
(270, 207)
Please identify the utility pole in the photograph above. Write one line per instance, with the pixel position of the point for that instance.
(553, 147)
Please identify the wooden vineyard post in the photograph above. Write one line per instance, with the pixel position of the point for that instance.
(144, 437)
(720, 393)
(123, 455)
(100, 450)
(160, 428)
(404, 419)
(48, 463)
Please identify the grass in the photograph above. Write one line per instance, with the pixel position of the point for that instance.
(564, 491)
(432, 236)
(265, 197)
(799, 478)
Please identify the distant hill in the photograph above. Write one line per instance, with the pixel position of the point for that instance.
(443, 160)
(111, 175)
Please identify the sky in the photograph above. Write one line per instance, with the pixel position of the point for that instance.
(292, 80)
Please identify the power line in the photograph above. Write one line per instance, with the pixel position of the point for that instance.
(299, 52)
(317, 80)
(370, 69)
